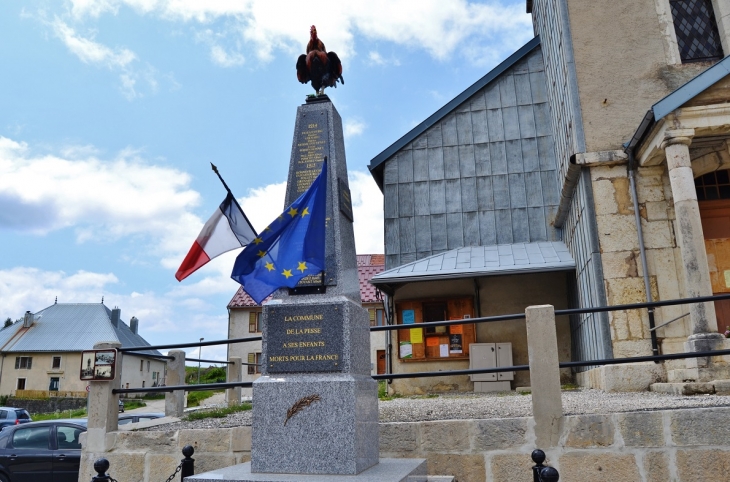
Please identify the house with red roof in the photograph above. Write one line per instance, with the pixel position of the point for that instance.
(245, 320)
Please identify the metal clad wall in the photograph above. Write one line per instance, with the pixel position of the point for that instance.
(590, 333)
(485, 174)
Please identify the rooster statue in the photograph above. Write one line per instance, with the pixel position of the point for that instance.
(320, 67)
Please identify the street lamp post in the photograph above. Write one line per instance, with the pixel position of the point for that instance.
(200, 354)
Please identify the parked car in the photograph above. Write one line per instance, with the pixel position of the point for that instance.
(13, 416)
(121, 405)
(47, 451)
(139, 417)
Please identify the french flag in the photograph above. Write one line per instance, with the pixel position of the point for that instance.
(227, 229)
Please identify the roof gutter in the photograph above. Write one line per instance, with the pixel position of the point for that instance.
(566, 195)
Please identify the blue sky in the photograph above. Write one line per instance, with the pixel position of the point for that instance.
(111, 112)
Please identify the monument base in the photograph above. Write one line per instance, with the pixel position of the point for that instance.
(336, 434)
(388, 470)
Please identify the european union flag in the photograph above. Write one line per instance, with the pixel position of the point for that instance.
(290, 248)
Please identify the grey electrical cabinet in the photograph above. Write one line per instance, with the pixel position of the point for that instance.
(491, 355)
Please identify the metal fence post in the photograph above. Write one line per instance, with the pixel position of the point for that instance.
(233, 395)
(101, 466)
(538, 456)
(188, 463)
(541, 472)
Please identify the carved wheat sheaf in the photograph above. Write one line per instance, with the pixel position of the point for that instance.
(300, 405)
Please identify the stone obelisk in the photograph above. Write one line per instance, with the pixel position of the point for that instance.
(315, 405)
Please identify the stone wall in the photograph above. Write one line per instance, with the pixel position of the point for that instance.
(679, 445)
(154, 456)
(48, 405)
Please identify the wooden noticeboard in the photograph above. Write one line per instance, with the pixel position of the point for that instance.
(435, 343)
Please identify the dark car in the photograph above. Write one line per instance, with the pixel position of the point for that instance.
(139, 417)
(121, 405)
(13, 416)
(47, 451)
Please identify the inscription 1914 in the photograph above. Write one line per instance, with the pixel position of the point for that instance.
(312, 146)
(304, 338)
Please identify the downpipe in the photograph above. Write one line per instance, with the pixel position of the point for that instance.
(642, 252)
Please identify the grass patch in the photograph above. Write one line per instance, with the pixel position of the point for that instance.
(78, 413)
(154, 396)
(194, 398)
(569, 386)
(131, 403)
(217, 412)
(383, 391)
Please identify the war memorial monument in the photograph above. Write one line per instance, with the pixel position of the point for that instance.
(315, 406)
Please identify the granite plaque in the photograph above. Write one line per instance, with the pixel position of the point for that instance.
(345, 200)
(304, 338)
(312, 146)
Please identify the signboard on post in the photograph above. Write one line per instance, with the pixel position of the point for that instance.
(98, 365)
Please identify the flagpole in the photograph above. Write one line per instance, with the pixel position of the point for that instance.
(215, 169)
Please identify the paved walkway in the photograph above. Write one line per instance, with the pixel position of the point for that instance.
(159, 405)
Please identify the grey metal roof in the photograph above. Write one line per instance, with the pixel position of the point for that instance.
(68, 327)
(376, 167)
(678, 98)
(477, 261)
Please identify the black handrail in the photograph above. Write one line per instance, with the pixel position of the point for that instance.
(187, 388)
(517, 368)
(190, 345)
(209, 361)
(568, 311)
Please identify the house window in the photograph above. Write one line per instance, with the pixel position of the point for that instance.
(254, 322)
(148, 366)
(142, 383)
(696, 28)
(154, 375)
(21, 384)
(23, 362)
(53, 387)
(437, 342)
(141, 365)
(56, 362)
(377, 317)
(254, 358)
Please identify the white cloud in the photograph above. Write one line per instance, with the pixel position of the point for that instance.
(367, 207)
(29, 289)
(220, 57)
(440, 28)
(91, 52)
(353, 127)
(116, 60)
(100, 199)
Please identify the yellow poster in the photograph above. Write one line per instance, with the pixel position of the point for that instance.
(416, 335)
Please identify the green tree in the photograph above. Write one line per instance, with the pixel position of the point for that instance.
(8, 322)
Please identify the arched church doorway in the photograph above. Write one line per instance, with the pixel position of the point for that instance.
(713, 194)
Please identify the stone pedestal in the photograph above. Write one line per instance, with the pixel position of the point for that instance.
(315, 405)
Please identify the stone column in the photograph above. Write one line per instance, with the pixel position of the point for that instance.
(175, 401)
(542, 349)
(103, 405)
(691, 240)
(233, 395)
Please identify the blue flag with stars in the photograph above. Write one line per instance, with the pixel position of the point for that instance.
(290, 248)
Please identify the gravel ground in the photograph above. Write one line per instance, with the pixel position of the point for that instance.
(501, 405)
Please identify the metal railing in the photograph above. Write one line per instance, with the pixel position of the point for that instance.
(484, 319)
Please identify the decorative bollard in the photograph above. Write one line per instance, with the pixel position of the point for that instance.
(101, 466)
(188, 463)
(540, 472)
